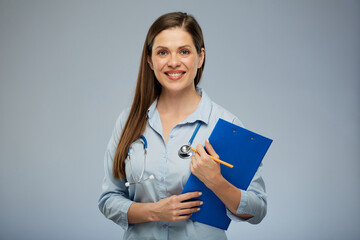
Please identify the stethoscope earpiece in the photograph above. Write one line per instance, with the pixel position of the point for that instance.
(151, 177)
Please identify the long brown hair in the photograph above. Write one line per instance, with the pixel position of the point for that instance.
(147, 87)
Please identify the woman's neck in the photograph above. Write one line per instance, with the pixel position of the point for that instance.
(178, 104)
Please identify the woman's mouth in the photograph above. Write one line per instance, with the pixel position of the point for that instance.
(175, 75)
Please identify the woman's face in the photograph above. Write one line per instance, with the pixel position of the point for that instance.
(174, 60)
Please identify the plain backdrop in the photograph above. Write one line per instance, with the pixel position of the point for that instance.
(290, 70)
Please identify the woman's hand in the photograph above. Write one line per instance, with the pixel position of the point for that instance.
(203, 167)
(176, 207)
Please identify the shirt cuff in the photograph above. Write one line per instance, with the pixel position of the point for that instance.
(243, 202)
(118, 216)
(241, 208)
(124, 210)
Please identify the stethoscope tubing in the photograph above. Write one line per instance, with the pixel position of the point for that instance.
(144, 141)
(194, 133)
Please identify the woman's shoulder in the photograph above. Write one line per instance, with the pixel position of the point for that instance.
(121, 119)
(219, 111)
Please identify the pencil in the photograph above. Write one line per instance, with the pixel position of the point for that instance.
(215, 159)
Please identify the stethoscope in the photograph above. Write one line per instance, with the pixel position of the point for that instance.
(140, 179)
(184, 152)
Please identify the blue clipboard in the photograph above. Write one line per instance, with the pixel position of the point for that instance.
(240, 147)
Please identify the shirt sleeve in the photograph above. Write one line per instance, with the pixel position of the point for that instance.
(114, 201)
(253, 200)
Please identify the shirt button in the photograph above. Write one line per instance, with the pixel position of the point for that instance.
(164, 226)
(162, 179)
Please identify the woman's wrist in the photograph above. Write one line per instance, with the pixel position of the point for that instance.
(152, 212)
(142, 212)
(215, 182)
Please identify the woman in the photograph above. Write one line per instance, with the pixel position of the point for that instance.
(144, 176)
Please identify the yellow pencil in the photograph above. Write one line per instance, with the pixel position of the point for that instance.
(215, 159)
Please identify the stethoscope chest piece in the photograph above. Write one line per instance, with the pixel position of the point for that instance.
(185, 151)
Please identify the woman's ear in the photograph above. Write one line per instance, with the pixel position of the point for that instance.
(201, 57)
(150, 62)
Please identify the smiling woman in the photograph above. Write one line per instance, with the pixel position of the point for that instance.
(175, 61)
(166, 109)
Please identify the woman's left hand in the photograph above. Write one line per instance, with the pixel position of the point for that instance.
(203, 167)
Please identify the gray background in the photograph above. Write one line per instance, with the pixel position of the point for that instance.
(289, 70)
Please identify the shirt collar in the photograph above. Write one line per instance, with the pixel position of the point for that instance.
(202, 113)
(152, 109)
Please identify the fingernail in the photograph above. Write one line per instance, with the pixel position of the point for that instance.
(201, 203)
(198, 209)
(200, 193)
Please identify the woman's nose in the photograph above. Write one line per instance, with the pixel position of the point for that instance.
(174, 61)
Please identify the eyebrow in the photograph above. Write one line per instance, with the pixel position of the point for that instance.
(163, 47)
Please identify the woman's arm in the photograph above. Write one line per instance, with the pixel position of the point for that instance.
(208, 171)
(174, 208)
(116, 205)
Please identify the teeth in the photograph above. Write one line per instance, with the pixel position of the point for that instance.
(174, 74)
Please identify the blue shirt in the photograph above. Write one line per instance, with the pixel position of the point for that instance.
(171, 173)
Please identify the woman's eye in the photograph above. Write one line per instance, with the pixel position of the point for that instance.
(162, 53)
(185, 52)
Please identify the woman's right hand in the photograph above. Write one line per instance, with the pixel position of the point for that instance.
(177, 207)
